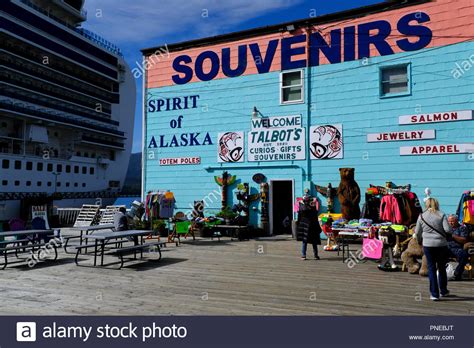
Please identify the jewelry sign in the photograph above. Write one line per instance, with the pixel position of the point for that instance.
(277, 139)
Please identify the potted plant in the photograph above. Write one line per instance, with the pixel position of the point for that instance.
(227, 214)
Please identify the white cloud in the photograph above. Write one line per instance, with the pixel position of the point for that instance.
(138, 21)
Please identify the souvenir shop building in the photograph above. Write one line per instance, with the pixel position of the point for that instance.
(385, 89)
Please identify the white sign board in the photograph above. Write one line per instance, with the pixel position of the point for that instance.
(436, 149)
(401, 136)
(40, 211)
(451, 116)
(230, 147)
(325, 142)
(277, 139)
(179, 161)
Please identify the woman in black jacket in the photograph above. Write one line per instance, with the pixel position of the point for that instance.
(309, 228)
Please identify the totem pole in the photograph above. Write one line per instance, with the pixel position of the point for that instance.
(264, 220)
(225, 181)
(329, 192)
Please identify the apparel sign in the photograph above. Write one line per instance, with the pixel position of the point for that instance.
(451, 116)
(401, 136)
(230, 147)
(436, 149)
(277, 139)
(326, 142)
(177, 161)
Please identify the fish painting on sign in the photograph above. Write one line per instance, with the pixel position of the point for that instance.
(326, 142)
(230, 147)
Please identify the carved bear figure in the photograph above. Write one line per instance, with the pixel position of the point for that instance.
(348, 193)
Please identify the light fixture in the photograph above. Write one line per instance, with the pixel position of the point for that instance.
(255, 113)
(290, 27)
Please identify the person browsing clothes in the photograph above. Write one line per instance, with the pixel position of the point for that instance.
(432, 230)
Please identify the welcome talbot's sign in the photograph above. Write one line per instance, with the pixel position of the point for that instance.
(277, 139)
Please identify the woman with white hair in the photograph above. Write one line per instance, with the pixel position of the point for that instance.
(431, 231)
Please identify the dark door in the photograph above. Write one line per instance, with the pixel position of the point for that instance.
(282, 206)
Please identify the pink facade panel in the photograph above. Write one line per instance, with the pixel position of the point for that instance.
(450, 22)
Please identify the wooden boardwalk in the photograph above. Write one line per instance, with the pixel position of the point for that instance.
(264, 277)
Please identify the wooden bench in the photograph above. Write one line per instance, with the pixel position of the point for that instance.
(121, 252)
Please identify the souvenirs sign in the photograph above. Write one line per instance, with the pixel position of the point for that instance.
(401, 136)
(277, 139)
(436, 149)
(451, 116)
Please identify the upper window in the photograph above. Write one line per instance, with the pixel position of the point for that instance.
(292, 87)
(395, 81)
(5, 164)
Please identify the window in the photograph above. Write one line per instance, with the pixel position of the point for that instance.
(49, 183)
(29, 165)
(39, 183)
(68, 184)
(395, 81)
(91, 170)
(50, 167)
(28, 183)
(4, 182)
(5, 164)
(59, 168)
(17, 164)
(84, 170)
(58, 184)
(76, 169)
(83, 184)
(17, 183)
(291, 83)
(39, 167)
(68, 168)
(75, 184)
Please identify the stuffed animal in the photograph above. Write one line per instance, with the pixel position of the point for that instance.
(348, 193)
(409, 258)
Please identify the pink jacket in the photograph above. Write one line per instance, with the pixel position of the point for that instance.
(389, 210)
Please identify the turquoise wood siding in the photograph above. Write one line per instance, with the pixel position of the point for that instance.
(347, 94)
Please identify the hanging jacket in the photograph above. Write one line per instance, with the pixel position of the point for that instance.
(468, 216)
(390, 210)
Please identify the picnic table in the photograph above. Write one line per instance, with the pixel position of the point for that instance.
(26, 240)
(87, 230)
(101, 239)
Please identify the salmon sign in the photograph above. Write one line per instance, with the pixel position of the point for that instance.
(436, 149)
(401, 136)
(451, 116)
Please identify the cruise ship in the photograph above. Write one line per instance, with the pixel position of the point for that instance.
(67, 103)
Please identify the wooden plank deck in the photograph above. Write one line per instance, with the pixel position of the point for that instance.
(225, 278)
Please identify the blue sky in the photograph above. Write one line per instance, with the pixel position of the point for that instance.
(137, 24)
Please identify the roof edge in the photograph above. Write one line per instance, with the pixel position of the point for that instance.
(248, 33)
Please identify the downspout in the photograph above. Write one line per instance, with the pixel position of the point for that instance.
(309, 174)
(144, 150)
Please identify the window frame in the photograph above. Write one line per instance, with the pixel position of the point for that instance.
(408, 92)
(300, 101)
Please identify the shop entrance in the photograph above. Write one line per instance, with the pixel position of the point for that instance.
(281, 206)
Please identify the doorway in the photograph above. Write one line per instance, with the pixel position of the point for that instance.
(281, 206)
